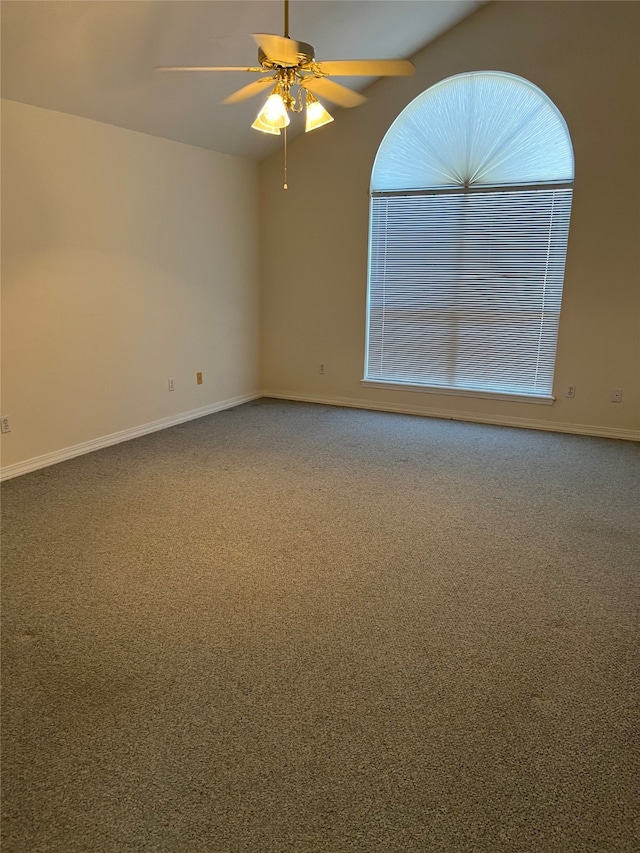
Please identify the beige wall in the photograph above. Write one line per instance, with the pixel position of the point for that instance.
(584, 55)
(126, 260)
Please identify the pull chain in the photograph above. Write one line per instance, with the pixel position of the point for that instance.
(285, 186)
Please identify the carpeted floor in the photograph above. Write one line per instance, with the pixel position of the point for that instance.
(288, 628)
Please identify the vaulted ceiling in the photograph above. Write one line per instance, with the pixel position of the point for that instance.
(96, 58)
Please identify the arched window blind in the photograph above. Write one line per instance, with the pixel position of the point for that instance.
(470, 205)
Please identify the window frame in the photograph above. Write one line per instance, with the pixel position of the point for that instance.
(460, 189)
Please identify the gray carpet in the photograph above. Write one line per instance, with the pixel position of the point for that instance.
(289, 627)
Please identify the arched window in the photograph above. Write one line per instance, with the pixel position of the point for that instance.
(470, 205)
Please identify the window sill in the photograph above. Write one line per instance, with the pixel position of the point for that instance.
(539, 399)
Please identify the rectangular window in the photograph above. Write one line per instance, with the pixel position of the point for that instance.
(465, 289)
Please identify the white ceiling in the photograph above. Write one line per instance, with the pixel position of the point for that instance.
(96, 58)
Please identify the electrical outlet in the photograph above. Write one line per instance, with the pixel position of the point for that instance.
(571, 391)
(172, 385)
(199, 378)
(616, 397)
(5, 426)
(321, 369)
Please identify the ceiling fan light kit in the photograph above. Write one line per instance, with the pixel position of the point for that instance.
(297, 78)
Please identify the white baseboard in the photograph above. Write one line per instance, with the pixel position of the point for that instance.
(522, 423)
(48, 459)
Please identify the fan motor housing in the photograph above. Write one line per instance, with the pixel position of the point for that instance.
(306, 54)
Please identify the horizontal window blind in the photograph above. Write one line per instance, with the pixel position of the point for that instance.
(465, 289)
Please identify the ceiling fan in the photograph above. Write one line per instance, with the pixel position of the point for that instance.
(296, 78)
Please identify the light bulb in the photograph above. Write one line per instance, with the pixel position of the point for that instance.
(274, 113)
(316, 114)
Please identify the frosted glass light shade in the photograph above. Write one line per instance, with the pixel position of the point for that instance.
(484, 128)
(258, 125)
(316, 116)
(274, 113)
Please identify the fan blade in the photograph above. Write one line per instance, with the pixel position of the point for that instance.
(249, 91)
(278, 48)
(367, 67)
(334, 92)
(206, 68)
